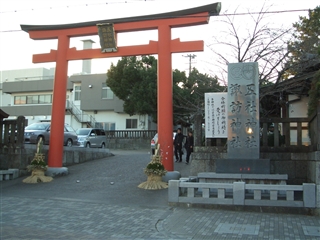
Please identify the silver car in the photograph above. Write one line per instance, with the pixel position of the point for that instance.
(35, 131)
(91, 137)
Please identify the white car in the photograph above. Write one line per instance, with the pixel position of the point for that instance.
(154, 142)
(91, 137)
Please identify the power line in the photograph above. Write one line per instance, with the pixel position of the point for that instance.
(73, 6)
(134, 1)
(252, 13)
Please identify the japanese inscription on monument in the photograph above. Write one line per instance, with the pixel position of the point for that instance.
(243, 111)
(216, 115)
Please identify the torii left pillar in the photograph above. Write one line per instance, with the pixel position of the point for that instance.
(164, 47)
(59, 103)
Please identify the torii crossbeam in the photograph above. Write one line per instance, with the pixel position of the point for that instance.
(164, 47)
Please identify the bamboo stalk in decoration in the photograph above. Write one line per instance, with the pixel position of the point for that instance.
(154, 170)
(38, 167)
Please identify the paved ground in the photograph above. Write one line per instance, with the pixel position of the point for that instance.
(94, 208)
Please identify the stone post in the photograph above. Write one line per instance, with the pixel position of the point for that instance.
(197, 134)
(318, 127)
(21, 122)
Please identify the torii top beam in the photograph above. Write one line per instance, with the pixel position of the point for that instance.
(207, 10)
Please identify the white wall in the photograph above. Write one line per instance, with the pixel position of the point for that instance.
(299, 109)
(11, 75)
(120, 119)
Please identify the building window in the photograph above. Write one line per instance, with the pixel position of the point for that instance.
(77, 93)
(33, 99)
(106, 92)
(131, 123)
(43, 99)
(110, 126)
(18, 100)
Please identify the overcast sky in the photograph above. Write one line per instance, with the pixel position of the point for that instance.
(16, 48)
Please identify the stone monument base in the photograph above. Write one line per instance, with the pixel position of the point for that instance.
(248, 166)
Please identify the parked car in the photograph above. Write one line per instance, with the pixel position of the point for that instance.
(91, 137)
(154, 142)
(35, 131)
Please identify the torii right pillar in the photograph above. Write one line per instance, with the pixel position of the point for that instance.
(165, 96)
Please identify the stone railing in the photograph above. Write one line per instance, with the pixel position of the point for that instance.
(149, 134)
(242, 194)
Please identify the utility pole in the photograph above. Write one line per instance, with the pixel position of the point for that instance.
(190, 56)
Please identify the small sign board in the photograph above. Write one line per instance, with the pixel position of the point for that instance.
(107, 37)
(216, 113)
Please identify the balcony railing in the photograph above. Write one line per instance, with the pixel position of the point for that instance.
(79, 115)
(34, 78)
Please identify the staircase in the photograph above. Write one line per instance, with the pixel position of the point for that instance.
(79, 115)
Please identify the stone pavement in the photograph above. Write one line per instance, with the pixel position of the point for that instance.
(101, 200)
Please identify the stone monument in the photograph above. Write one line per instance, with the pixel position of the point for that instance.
(243, 152)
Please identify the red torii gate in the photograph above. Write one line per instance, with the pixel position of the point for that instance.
(163, 47)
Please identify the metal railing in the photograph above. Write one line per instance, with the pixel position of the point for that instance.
(79, 115)
(34, 78)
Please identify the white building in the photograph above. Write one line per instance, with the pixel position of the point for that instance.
(90, 103)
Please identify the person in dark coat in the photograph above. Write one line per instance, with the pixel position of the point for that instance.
(178, 140)
(189, 146)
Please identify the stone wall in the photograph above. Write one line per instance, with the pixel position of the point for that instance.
(299, 166)
(20, 158)
(130, 144)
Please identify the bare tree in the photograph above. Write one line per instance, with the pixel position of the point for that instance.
(250, 38)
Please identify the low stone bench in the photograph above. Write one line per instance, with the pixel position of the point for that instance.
(211, 177)
(9, 174)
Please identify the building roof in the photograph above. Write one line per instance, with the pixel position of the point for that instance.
(213, 9)
(298, 85)
(273, 97)
(3, 114)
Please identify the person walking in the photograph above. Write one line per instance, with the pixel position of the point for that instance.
(189, 146)
(178, 139)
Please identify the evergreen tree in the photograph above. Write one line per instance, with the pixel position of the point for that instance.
(134, 80)
(304, 49)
